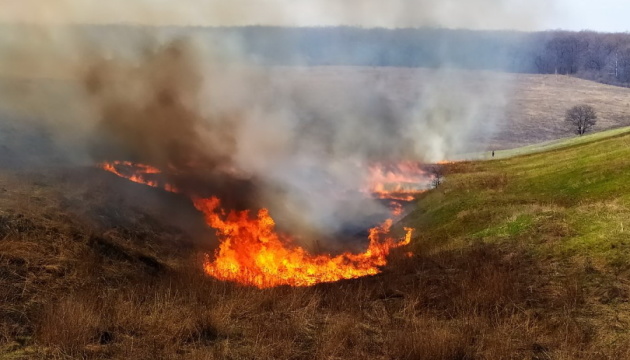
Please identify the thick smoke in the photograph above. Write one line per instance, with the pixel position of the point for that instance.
(469, 14)
(299, 141)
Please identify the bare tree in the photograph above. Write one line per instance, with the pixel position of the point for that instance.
(437, 173)
(581, 118)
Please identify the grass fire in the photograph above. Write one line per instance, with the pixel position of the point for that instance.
(251, 252)
(314, 180)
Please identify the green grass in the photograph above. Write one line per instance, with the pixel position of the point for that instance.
(570, 198)
(567, 203)
(555, 144)
(518, 258)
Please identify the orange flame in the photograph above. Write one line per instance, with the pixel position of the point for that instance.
(396, 208)
(402, 181)
(137, 173)
(252, 253)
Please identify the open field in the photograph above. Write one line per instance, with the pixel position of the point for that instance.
(520, 257)
(558, 144)
(539, 102)
(536, 103)
(544, 146)
(533, 113)
(523, 257)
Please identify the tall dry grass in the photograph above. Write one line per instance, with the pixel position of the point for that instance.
(68, 291)
(487, 303)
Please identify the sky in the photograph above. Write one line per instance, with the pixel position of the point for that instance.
(601, 15)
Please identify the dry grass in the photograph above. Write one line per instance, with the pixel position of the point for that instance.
(540, 102)
(113, 283)
(486, 303)
(429, 310)
(535, 110)
(536, 103)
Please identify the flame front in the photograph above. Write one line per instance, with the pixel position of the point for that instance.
(400, 181)
(251, 252)
(138, 173)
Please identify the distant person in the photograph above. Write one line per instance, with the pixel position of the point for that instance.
(492, 153)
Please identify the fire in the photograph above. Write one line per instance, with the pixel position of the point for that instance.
(138, 173)
(402, 181)
(396, 208)
(251, 252)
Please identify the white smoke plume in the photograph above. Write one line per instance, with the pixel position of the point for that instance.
(474, 14)
(304, 137)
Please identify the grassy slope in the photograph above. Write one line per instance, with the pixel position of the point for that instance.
(557, 144)
(582, 181)
(569, 207)
(523, 258)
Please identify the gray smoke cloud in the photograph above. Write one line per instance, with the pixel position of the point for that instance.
(297, 140)
(474, 14)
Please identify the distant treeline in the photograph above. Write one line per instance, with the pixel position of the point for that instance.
(596, 56)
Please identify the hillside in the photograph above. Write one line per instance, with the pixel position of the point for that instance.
(536, 104)
(524, 257)
(539, 103)
(566, 208)
(41, 114)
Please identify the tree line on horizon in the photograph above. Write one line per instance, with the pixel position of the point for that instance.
(602, 57)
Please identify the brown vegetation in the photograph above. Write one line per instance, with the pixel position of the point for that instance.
(538, 107)
(535, 111)
(582, 118)
(121, 285)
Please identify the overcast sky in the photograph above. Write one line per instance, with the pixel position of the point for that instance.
(600, 15)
